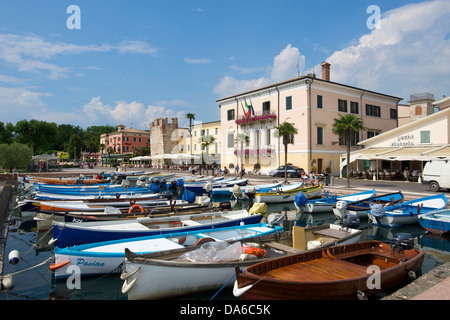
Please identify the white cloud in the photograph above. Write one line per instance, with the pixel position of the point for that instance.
(133, 113)
(197, 61)
(408, 54)
(30, 53)
(284, 67)
(17, 103)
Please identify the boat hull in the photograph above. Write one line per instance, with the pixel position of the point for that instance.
(437, 222)
(288, 196)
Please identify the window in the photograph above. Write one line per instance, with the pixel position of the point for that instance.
(217, 130)
(230, 114)
(319, 102)
(354, 107)
(288, 103)
(230, 140)
(372, 110)
(393, 113)
(140, 140)
(425, 136)
(134, 139)
(371, 134)
(342, 105)
(202, 132)
(266, 107)
(319, 135)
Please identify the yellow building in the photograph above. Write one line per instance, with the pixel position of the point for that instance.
(192, 144)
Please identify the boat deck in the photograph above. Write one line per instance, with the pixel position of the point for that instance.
(322, 269)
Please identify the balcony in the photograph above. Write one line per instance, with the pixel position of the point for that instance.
(257, 118)
(261, 150)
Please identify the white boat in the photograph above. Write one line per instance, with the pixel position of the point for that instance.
(107, 257)
(326, 204)
(186, 271)
(406, 212)
(228, 191)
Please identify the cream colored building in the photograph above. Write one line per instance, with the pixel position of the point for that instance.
(192, 144)
(311, 105)
(426, 137)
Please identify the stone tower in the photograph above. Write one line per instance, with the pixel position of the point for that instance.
(163, 136)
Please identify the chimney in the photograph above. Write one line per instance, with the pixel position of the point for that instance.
(325, 71)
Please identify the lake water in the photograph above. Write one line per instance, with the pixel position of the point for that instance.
(34, 281)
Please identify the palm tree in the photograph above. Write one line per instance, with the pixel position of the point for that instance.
(286, 130)
(346, 126)
(206, 141)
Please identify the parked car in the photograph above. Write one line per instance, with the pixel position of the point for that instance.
(292, 171)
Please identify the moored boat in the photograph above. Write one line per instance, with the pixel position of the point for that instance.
(180, 272)
(406, 212)
(361, 208)
(437, 221)
(66, 234)
(286, 194)
(337, 273)
(326, 204)
(107, 257)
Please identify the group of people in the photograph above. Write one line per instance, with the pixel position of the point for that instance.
(312, 179)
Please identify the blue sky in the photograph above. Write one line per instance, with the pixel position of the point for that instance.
(134, 61)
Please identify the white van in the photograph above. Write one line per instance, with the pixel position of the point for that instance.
(436, 174)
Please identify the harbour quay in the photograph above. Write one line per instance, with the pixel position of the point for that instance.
(433, 285)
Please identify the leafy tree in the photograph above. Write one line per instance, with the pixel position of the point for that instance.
(74, 146)
(346, 126)
(206, 141)
(39, 135)
(286, 130)
(15, 155)
(6, 132)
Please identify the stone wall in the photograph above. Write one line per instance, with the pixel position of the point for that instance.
(163, 136)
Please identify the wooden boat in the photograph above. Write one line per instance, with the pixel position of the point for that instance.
(180, 271)
(437, 222)
(406, 212)
(228, 191)
(361, 208)
(107, 257)
(283, 194)
(326, 204)
(112, 189)
(337, 273)
(64, 180)
(67, 234)
(121, 195)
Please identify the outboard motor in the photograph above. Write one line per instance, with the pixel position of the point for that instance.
(350, 221)
(341, 208)
(167, 194)
(377, 210)
(402, 241)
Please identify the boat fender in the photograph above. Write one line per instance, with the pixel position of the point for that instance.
(246, 256)
(125, 275)
(13, 257)
(135, 206)
(258, 252)
(127, 286)
(7, 282)
(361, 295)
(411, 275)
(52, 241)
(55, 266)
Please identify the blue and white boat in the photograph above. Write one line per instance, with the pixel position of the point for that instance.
(107, 257)
(361, 208)
(406, 212)
(200, 187)
(67, 234)
(228, 191)
(328, 203)
(437, 222)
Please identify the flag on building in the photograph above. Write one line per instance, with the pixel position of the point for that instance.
(249, 109)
